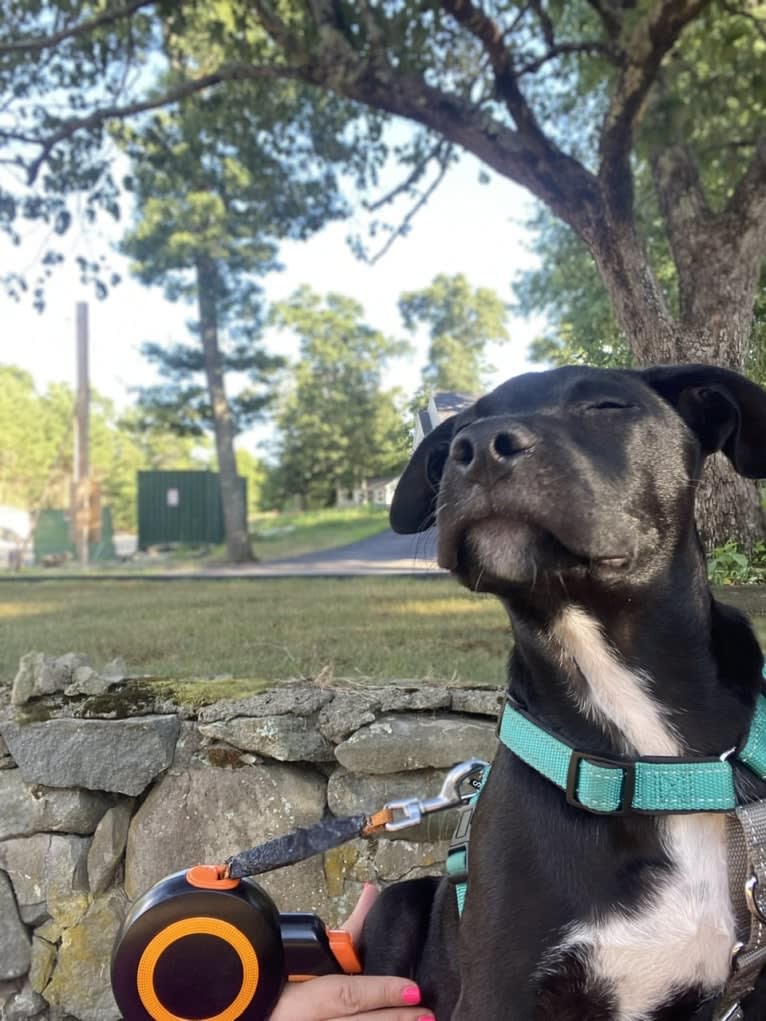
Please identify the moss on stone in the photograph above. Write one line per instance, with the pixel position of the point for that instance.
(128, 699)
(33, 712)
(202, 691)
(338, 865)
(137, 696)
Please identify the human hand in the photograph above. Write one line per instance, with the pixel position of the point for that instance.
(352, 997)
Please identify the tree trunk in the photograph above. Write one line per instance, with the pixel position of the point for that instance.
(713, 328)
(728, 507)
(238, 548)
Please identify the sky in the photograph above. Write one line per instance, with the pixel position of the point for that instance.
(465, 228)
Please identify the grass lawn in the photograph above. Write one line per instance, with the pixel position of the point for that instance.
(271, 629)
(288, 535)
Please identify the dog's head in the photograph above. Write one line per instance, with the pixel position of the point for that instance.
(577, 472)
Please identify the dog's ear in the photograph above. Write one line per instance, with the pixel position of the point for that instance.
(413, 508)
(725, 410)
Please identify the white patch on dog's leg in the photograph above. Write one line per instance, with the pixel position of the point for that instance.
(682, 935)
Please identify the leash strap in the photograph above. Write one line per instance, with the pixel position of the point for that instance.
(302, 843)
(400, 814)
(653, 785)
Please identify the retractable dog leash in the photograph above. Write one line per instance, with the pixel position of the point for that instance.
(209, 944)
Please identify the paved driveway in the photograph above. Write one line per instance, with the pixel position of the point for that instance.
(385, 553)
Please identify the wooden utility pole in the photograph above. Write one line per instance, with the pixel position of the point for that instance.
(81, 483)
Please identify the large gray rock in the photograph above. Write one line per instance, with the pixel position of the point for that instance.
(347, 712)
(107, 755)
(286, 738)
(399, 742)
(43, 961)
(352, 793)
(478, 701)
(208, 814)
(108, 846)
(15, 945)
(294, 699)
(348, 867)
(31, 808)
(39, 674)
(7, 992)
(48, 872)
(87, 681)
(399, 698)
(350, 710)
(25, 1005)
(80, 986)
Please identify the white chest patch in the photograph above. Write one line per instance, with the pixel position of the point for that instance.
(682, 935)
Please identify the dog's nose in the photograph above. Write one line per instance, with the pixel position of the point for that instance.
(490, 447)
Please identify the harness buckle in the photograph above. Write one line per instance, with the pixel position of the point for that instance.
(751, 899)
(628, 770)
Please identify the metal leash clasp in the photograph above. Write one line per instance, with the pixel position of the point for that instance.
(410, 811)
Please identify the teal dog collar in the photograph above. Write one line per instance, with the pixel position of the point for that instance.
(607, 786)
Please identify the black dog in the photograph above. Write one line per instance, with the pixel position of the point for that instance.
(569, 494)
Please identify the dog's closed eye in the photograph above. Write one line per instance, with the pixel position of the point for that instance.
(608, 406)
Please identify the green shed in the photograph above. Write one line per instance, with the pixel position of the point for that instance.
(180, 507)
(52, 537)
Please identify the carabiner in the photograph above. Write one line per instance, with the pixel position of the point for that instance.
(451, 795)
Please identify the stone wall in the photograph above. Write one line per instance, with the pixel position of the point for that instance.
(109, 783)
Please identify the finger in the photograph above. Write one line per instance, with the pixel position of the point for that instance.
(392, 1014)
(333, 997)
(356, 919)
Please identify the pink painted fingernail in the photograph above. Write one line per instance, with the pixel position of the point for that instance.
(427, 1017)
(411, 995)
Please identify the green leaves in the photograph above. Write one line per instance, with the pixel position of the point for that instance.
(461, 321)
(337, 426)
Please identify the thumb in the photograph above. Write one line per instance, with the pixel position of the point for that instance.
(355, 921)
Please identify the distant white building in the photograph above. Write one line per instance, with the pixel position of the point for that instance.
(443, 404)
(380, 492)
(369, 492)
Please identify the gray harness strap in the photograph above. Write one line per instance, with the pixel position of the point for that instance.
(747, 884)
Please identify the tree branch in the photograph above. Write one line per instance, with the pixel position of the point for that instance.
(226, 73)
(374, 34)
(412, 178)
(652, 38)
(594, 46)
(684, 209)
(546, 24)
(545, 162)
(733, 240)
(273, 24)
(611, 16)
(45, 42)
(404, 226)
(746, 209)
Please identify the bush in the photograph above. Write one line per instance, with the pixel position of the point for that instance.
(728, 565)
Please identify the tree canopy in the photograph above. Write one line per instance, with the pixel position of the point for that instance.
(566, 99)
(37, 448)
(461, 321)
(337, 425)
